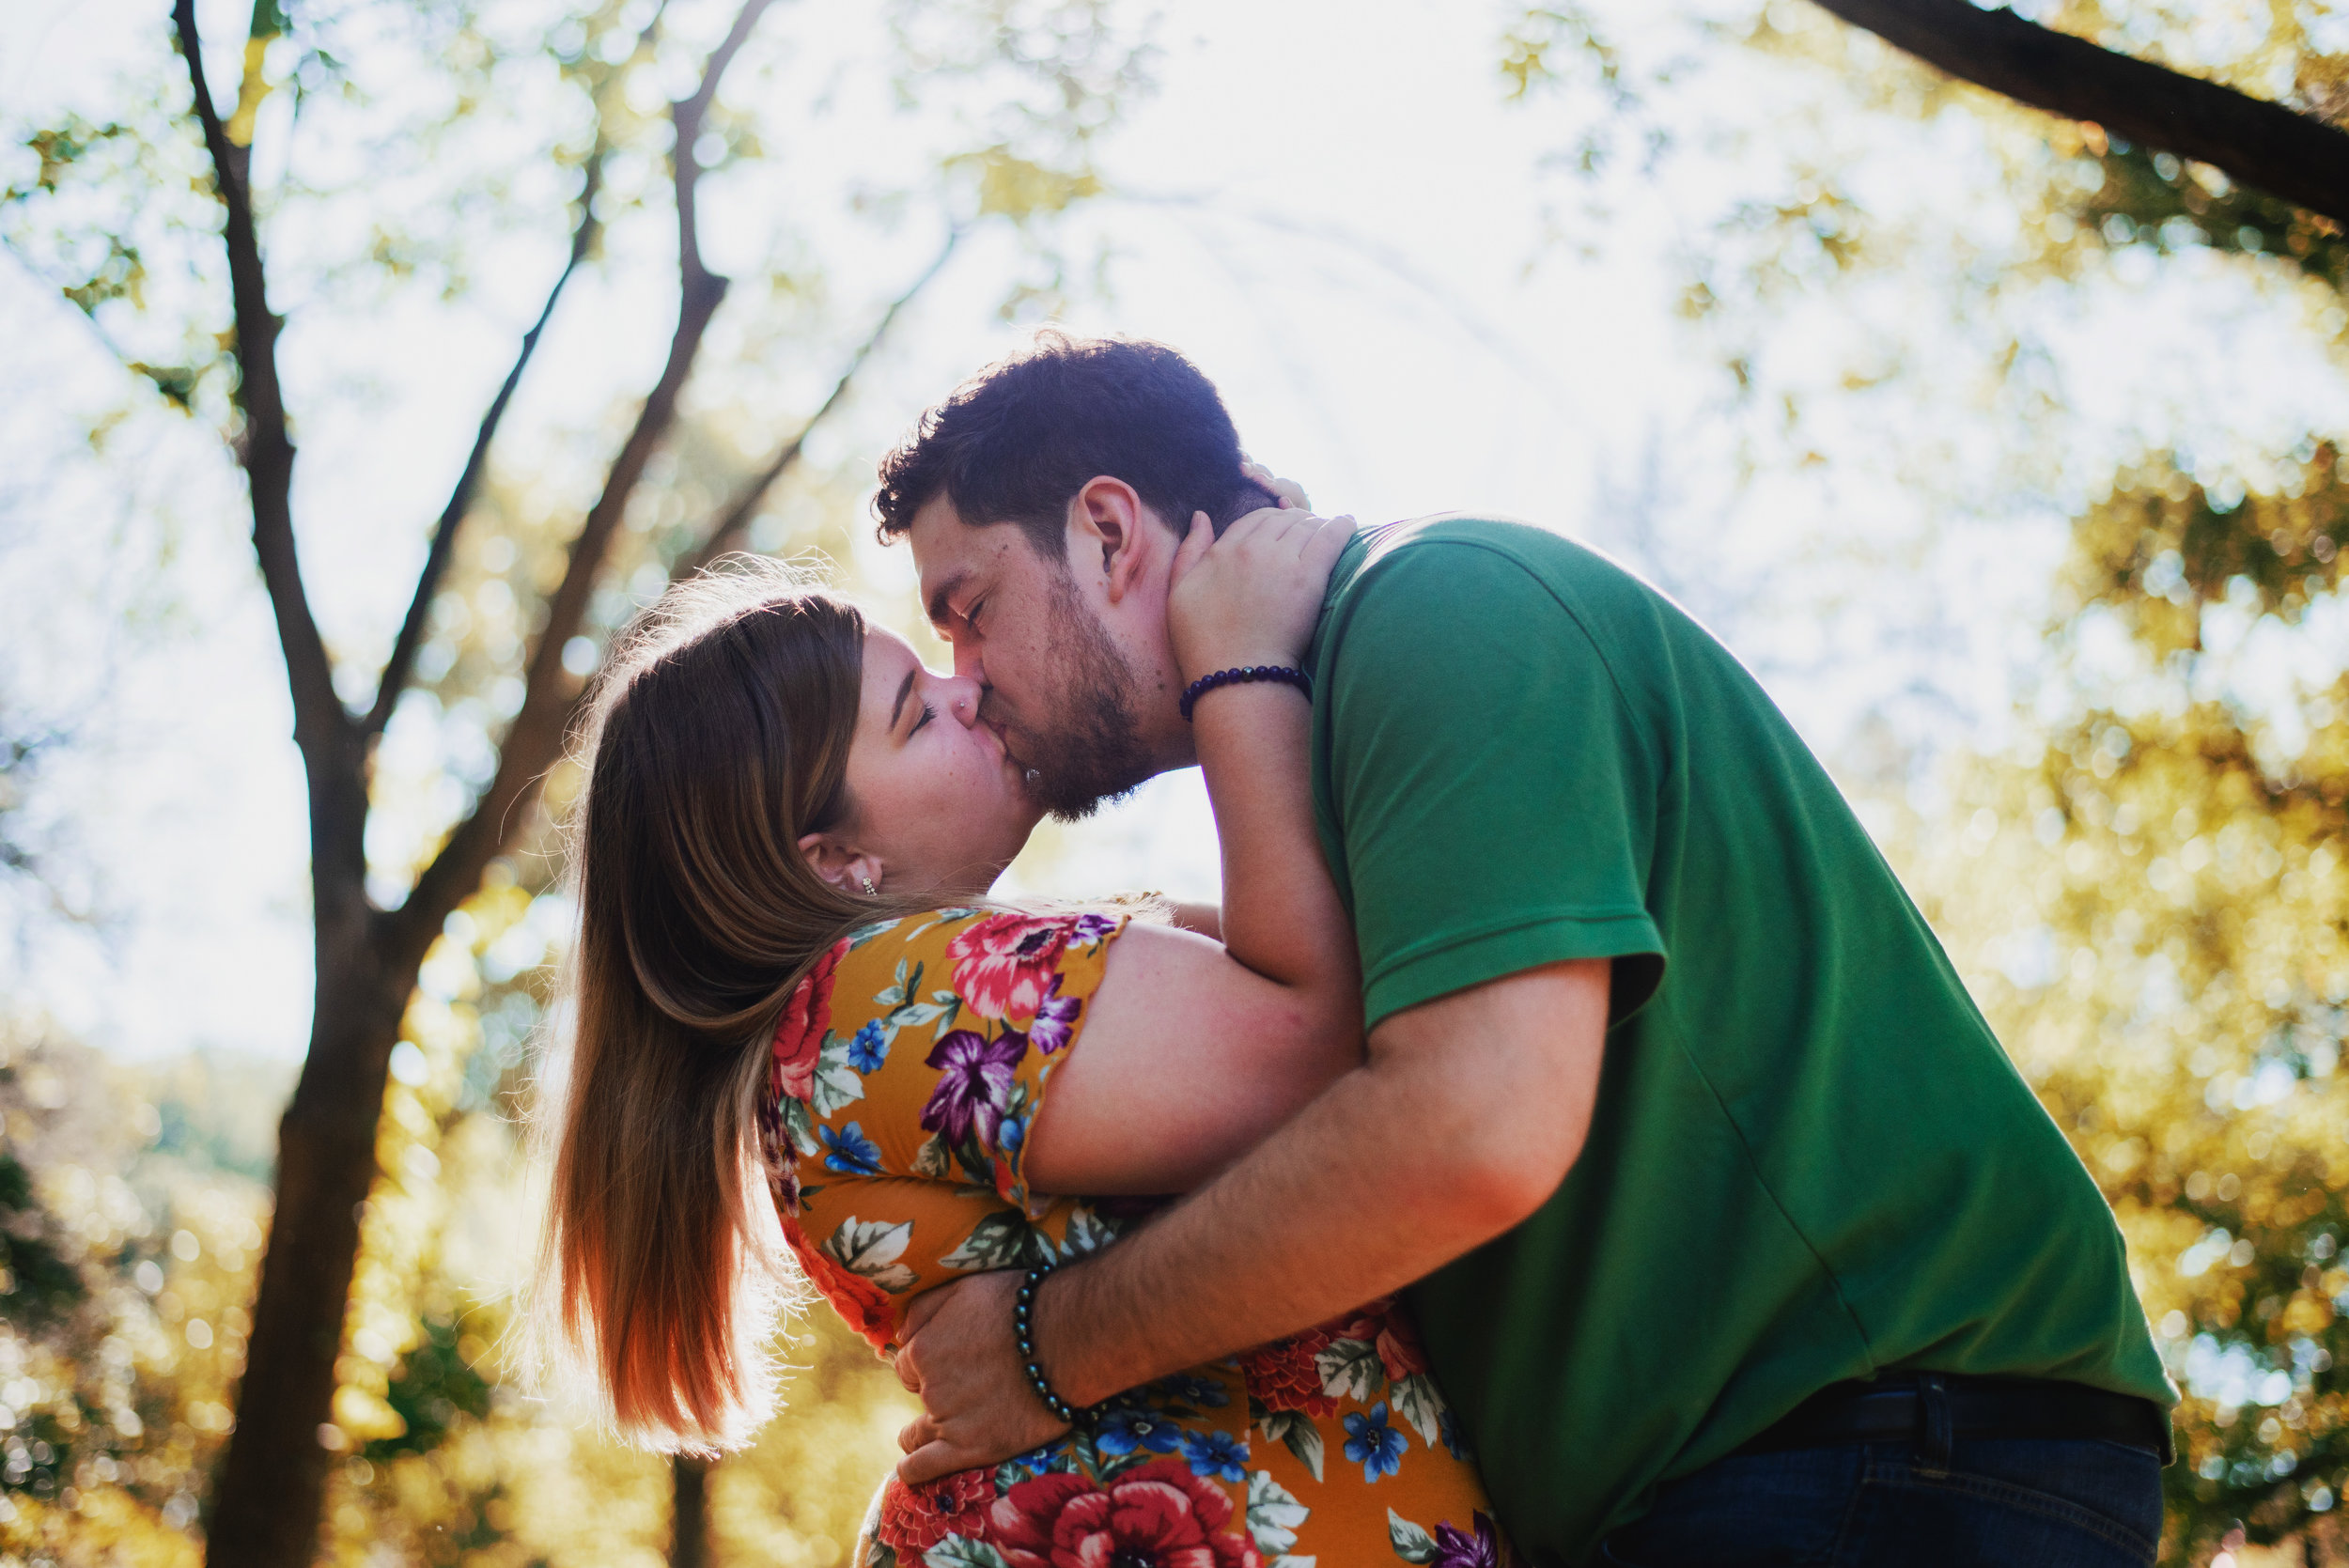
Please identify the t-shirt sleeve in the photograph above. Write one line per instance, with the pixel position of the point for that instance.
(1493, 789)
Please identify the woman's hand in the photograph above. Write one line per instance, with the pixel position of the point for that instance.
(1253, 596)
(1288, 492)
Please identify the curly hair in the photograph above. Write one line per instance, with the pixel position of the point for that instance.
(1017, 440)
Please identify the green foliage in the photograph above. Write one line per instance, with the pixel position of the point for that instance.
(2154, 911)
(122, 1322)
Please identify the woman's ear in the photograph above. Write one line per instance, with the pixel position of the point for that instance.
(846, 867)
(1108, 516)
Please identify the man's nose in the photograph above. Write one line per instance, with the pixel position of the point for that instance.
(967, 666)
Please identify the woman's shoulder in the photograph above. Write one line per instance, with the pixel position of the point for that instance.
(1000, 965)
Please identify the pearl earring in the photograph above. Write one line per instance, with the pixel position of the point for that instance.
(869, 888)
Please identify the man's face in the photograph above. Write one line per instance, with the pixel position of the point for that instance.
(1065, 667)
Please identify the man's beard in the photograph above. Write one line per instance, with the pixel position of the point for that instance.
(1089, 749)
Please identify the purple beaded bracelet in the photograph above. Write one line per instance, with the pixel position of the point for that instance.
(1240, 676)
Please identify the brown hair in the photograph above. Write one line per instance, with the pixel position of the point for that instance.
(717, 735)
(1017, 440)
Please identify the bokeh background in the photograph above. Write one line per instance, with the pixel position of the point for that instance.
(2006, 451)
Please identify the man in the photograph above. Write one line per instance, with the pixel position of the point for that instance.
(1735, 1236)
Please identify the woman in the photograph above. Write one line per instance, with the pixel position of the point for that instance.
(796, 1017)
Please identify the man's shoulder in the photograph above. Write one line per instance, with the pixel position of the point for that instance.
(1480, 548)
(1472, 574)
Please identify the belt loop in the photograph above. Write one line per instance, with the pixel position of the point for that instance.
(1934, 1434)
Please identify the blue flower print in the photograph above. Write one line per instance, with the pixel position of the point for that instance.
(1216, 1455)
(1377, 1446)
(1448, 1433)
(869, 1048)
(849, 1152)
(1009, 1134)
(1205, 1392)
(1129, 1431)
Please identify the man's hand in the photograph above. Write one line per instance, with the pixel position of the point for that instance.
(958, 1357)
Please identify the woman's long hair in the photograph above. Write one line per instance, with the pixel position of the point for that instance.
(717, 735)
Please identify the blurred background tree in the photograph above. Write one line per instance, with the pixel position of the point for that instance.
(366, 159)
(2144, 888)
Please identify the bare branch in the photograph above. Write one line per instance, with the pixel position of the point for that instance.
(535, 740)
(322, 727)
(732, 523)
(687, 116)
(2252, 141)
(403, 659)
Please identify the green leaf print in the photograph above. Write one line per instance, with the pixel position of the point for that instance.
(796, 1123)
(960, 1551)
(834, 1082)
(1416, 1401)
(998, 1241)
(1350, 1369)
(871, 1249)
(1086, 1234)
(864, 934)
(1293, 1432)
(1411, 1544)
(1273, 1515)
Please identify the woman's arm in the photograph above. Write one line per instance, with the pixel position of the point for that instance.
(1195, 1053)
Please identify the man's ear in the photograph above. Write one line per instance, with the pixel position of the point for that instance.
(845, 866)
(1107, 520)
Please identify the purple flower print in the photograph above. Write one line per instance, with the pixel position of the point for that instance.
(1091, 928)
(1055, 1016)
(1460, 1549)
(975, 1082)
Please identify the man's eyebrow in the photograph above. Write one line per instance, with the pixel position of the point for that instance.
(903, 687)
(940, 612)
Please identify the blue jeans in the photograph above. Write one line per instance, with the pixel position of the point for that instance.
(1987, 1503)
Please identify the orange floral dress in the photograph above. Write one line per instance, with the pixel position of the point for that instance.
(907, 1068)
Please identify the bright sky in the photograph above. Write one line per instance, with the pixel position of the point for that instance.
(1335, 213)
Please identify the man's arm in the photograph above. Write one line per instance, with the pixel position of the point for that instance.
(1468, 1114)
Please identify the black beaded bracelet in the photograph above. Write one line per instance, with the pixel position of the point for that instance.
(1024, 1336)
(1240, 676)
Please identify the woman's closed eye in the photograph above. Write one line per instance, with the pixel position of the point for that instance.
(928, 713)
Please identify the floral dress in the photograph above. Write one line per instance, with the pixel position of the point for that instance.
(907, 1068)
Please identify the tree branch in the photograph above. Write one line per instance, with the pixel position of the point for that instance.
(2252, 141)
(322, 727)
(535, 740)
(398, 668)
(731, 524)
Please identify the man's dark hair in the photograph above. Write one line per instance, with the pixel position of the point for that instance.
(1017, 440)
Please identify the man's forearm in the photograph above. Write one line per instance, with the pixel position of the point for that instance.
(1400, 1166)
(1321, 1218)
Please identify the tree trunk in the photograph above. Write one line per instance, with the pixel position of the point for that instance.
(267, 1508)
(689, 1517)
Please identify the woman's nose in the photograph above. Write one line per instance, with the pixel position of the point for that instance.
(963, 696)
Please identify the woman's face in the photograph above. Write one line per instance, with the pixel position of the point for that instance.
(932, 795)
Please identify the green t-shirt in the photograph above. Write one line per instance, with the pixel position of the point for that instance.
(1811, 1160)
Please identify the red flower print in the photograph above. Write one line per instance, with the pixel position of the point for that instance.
(799, 1032)
(1281, 1375)
(1160, 1515)
(863, 1304)
(915, 1519)
(1004, 963)
(1399, 1350)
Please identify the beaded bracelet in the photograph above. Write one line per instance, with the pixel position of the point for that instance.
(1246, 673)
(1023, 1335)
